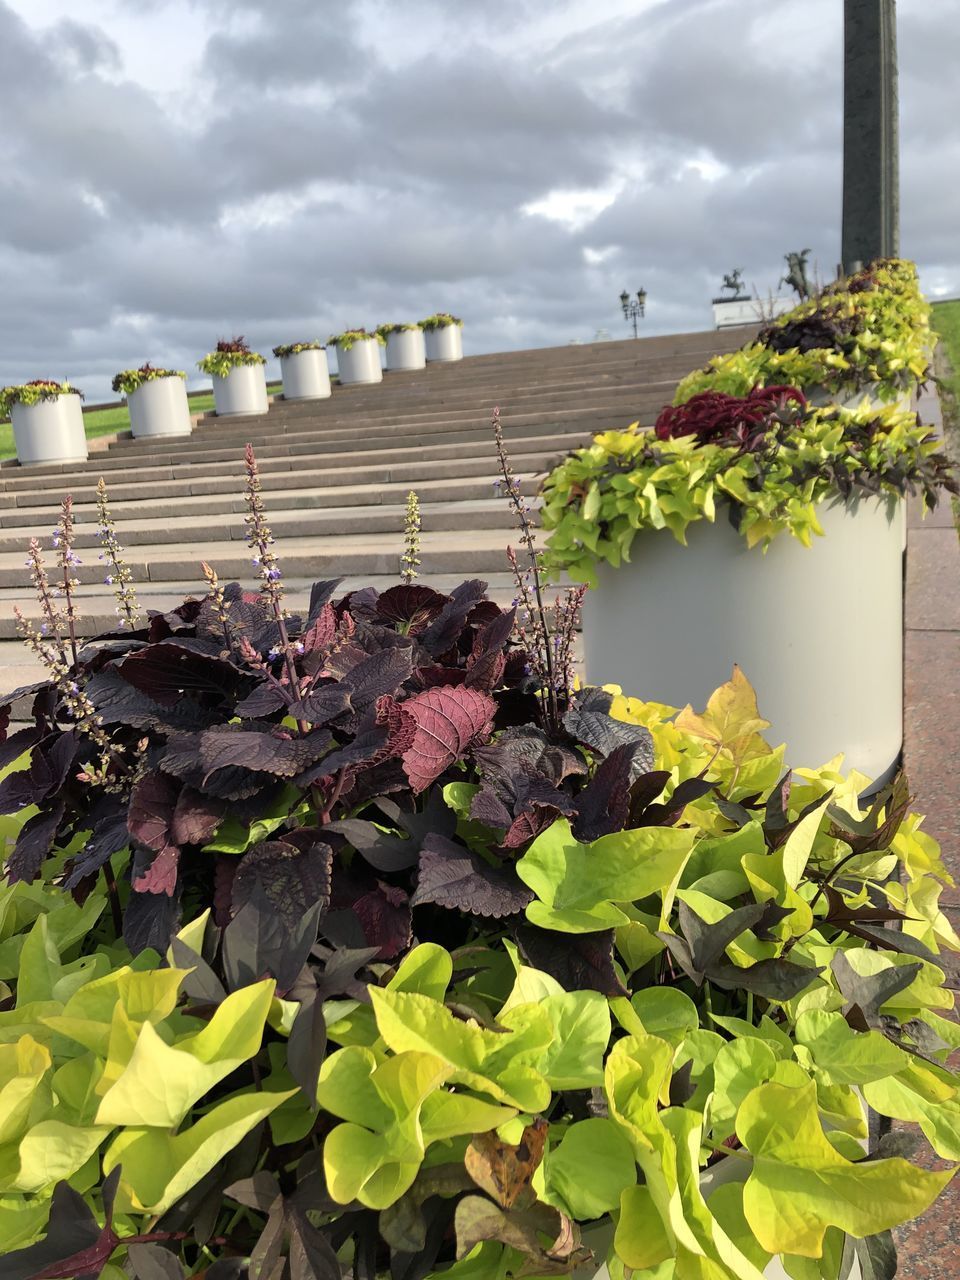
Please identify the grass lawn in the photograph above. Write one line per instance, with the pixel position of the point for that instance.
(105, 422)
(946, 322)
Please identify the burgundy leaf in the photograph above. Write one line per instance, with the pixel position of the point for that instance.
(384, 915)
(447, 627)
(50, 764)
(150, 815)
(453, 877)
(150, 921)
(485, 672)
(320, 595)
(493, 637)
(412, 607)
(196, 817)
(449, 721)
(167, 671)
(527, 827)
(589, 721)
(161, 875)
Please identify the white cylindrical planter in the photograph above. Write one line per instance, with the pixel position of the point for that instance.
(361, 363)
(445, 343)
(159, 407)
(49, 431)
(243, 390)
(818, 631)
(306, 375)
(405, 350)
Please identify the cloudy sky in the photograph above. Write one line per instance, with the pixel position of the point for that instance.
(174, 171)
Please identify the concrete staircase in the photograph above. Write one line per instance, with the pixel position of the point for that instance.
(335, 477)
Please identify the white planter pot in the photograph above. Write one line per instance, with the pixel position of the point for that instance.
(445, 343)
(599, 1239)
(160, 408)
(818, 631)
(405, 350)
(243, 390)
(306, 375)
(361, 363)
(49, 431)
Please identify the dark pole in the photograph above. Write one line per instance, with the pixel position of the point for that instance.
(871, 180)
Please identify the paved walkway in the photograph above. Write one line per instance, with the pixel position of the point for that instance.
(930, 1248)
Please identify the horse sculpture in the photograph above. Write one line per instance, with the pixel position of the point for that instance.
(796, 276)
(734, 282)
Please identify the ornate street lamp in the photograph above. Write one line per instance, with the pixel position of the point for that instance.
(633, 307)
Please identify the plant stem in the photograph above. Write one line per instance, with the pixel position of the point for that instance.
(114, 895)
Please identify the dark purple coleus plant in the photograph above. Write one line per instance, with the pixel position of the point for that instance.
(288, 771)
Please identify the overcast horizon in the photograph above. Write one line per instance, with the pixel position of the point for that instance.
(176, 171)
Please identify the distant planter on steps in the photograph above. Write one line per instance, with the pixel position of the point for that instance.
(239, 382)
(304, 369)
(358, 356)
(443, 336)
(157, 400)
(47, 421)
(405, 346)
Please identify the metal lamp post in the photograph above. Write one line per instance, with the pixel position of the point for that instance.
(633, 307)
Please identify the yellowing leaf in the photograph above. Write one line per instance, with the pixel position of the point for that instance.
(731, 720)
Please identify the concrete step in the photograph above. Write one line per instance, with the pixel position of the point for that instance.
(470, 552)
(41, 519)
(199, 528)
(348, 451)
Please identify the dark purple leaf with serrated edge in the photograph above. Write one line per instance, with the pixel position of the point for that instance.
(452, 876)
(51, 763)
(529, 748)
(324, 703)
(321, 593)
(379, 674)
(290, 879)
(195, 756)
(447, 627)
(604, 803)
(266, 698)
(108, 835)
(118, 702)
(579, 962)
(493, 637)
(35, 842)
(150, 920)
(13, 747)
(486, 672)
(152, 804)
(449, 721)
(501, 799)
(589, 721)
(366, 747)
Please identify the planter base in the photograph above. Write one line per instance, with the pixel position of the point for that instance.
(160, 408)
(305, 375)
(242, 391)
(49, 431)
(444, 344)
(817, 631)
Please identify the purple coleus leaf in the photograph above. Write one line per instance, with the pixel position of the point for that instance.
(589, 721)
(50, 765)
(195, 756)
(452, 876)
(379, 674)
(384, 915)
(168, 671)
(290, 879)
(108, 835)
(35, 841)
(604, 803)
(447, 627)
(323, 703)
(449, 721)
(153, 801)
(412, 607)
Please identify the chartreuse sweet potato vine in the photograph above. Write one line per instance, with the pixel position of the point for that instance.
(231, 353)
(868, 331)
(673, 977)
(770, 478)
